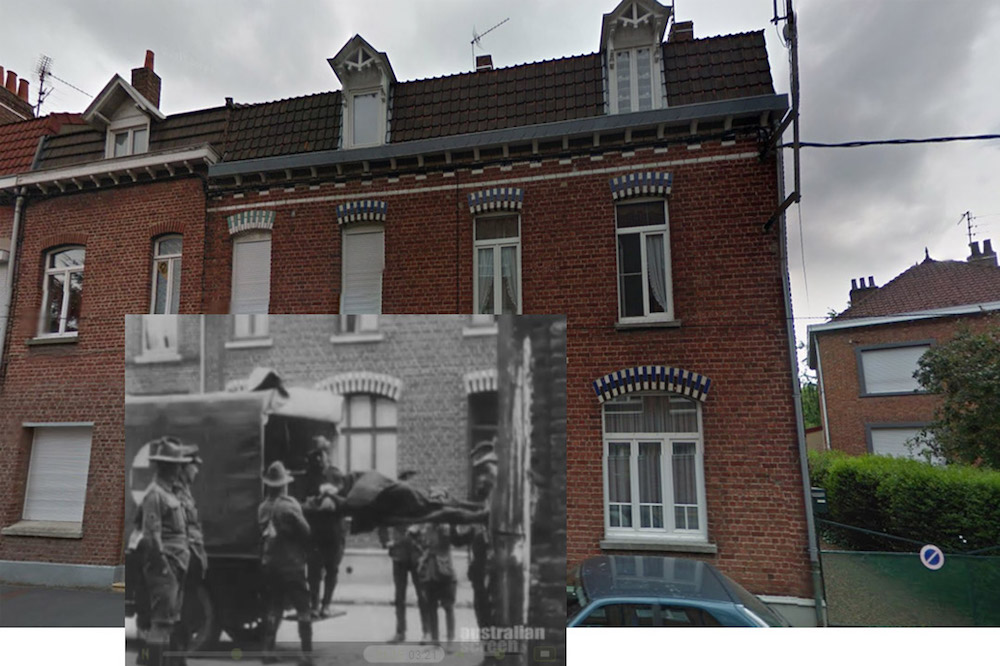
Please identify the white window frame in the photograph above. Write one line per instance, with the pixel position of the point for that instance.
(256, 236)
(342, 453)
(129, 128)
(644, 232)
(166, 324)
(668, 533)
(359, 229)
(654, 78)
(497, 245)
(66, 272)
(357, 328)
(249, 331)
(380, 119)
(173, 261)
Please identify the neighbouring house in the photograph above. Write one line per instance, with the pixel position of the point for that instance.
(865, 357)
(631, 189)
(14, 104)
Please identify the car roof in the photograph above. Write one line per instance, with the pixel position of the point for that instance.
(654, 576)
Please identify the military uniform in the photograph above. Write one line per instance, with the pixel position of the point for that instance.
(325, 514)
(197, 566)
(284, 551)
(405, 552)
(437, 577)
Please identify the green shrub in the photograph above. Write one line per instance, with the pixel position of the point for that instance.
(954, 507)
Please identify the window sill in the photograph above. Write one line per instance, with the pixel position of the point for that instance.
(162, 357)
(478, 331)
(348, 338)
(651, 323)
(45, 528)
(53, 340)
(661, 545)
(893, 394)
(249, 344)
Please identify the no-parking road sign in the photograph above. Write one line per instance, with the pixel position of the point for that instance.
(932, 557)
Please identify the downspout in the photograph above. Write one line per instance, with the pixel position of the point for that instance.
(201, 353)
(814, 564)
(6, 299)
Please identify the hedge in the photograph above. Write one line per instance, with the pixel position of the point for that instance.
(954, 507)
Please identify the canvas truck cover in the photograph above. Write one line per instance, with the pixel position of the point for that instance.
(232, 431)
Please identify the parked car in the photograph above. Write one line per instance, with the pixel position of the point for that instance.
(239, 435)
(657, 591)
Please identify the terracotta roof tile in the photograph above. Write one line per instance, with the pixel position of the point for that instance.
(706, 70)
(19, 140)
(930, 285)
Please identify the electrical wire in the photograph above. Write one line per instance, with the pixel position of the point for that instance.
(892, 142)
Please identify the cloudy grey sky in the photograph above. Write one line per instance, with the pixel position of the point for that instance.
(869, 69)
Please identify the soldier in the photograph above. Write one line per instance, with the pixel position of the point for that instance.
(477, 537)
(284, 547)
(323, 508)
(437, 574)
(404, 549)
(198, 564)
(166, 551)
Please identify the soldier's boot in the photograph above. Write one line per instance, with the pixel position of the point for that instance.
(142, 657)
(306, 637)
(270, 638)
(177, 645)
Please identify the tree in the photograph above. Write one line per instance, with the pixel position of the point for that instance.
(965, 371)
(810, 405)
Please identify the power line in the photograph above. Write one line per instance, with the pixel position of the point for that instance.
(893, 142)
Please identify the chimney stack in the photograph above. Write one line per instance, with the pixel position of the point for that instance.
(484, 63)
(681, 31)
(14, 97)
(11, 84)
(146, 81)
(987, 256)
(22, 90)
(859, 291)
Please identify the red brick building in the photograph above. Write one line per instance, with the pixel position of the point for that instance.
(628, 189)
(866, 356)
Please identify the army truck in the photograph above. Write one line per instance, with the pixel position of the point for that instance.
(239, 435)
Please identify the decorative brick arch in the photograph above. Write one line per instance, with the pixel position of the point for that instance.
(362, 382)
(480, 381)
(497, 198)
(53, 241)
(641, 184)
(652, 378)
(250, 219)
(166, 227)
(367, 210)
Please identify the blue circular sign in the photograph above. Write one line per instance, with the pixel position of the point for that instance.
(932, 557)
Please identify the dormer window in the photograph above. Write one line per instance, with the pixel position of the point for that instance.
(631, 39)
(368, 78)
(365, 115)
(131, 141)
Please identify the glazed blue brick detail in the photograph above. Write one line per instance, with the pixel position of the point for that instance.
(367, 210)
(497, 198)
(641, 184)
(652, 378)
(250, 219)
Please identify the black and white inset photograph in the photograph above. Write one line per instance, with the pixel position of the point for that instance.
(346, 489)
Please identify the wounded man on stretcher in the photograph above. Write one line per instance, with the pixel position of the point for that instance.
(373, 499)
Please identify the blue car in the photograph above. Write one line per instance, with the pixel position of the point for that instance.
(657, 591)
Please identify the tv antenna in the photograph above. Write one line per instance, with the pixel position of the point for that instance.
(968, 218)
(476, 37)
(43, 68)
(44, 71)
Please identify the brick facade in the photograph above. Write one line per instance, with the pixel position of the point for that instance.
(81, 380)
(846, 411)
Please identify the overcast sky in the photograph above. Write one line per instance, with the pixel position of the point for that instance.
(869, 69)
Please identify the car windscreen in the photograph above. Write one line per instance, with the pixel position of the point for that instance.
(576, 598)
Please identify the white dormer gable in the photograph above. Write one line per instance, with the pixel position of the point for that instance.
(125, 115)
(367, 78)
(631, 43)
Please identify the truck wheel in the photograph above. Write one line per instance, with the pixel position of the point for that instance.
(203, 622)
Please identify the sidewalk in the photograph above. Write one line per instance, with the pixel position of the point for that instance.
(27, 606)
